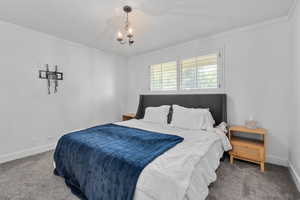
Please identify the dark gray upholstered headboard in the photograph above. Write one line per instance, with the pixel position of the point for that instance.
(215, 102)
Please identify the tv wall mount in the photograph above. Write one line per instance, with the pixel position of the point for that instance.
(52, 77)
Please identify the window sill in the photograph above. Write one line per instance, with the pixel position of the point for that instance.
(187, 91)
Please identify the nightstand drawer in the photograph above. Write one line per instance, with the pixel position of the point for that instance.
(247, 152)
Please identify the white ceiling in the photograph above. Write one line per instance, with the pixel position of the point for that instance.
(156, 23)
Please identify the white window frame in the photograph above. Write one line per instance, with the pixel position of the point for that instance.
(163, 90)
(220, 68)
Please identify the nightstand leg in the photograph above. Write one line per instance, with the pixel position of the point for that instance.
(262, 166)
(231, 159)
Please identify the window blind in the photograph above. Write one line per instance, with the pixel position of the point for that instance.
(199, 72)
(164, 76)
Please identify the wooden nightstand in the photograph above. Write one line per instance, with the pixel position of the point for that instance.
(248, 149)
(128, 116)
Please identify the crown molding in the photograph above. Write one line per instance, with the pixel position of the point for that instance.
(251, 27)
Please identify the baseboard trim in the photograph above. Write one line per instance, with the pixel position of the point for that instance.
(295, 175)
(277, 161)
(25, 153)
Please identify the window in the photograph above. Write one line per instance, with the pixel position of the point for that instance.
(204, 72)
(199, 72)
(164, 76)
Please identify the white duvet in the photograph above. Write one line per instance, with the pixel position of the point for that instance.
(186, 170)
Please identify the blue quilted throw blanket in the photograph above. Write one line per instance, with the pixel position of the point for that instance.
(104, 162)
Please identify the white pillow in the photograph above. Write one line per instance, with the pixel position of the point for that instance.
(209, 120)
(192, 118)
(157, 114)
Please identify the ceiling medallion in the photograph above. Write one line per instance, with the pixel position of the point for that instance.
(128, 32)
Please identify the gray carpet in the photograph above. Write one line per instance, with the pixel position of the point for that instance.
(32, 179)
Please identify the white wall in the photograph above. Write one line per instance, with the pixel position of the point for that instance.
(91, 93)
(257, 78)
(295, 134)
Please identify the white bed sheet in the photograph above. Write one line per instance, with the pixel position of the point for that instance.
(185, 171)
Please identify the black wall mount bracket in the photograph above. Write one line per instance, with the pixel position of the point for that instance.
(51, 77)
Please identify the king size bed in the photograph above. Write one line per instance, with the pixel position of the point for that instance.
(145, 159)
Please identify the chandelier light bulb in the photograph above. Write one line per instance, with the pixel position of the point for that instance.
(130, 32)
(120, 36)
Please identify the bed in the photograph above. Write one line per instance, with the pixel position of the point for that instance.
(180, 171)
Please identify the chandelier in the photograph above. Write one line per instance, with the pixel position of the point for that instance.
(128, 32)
